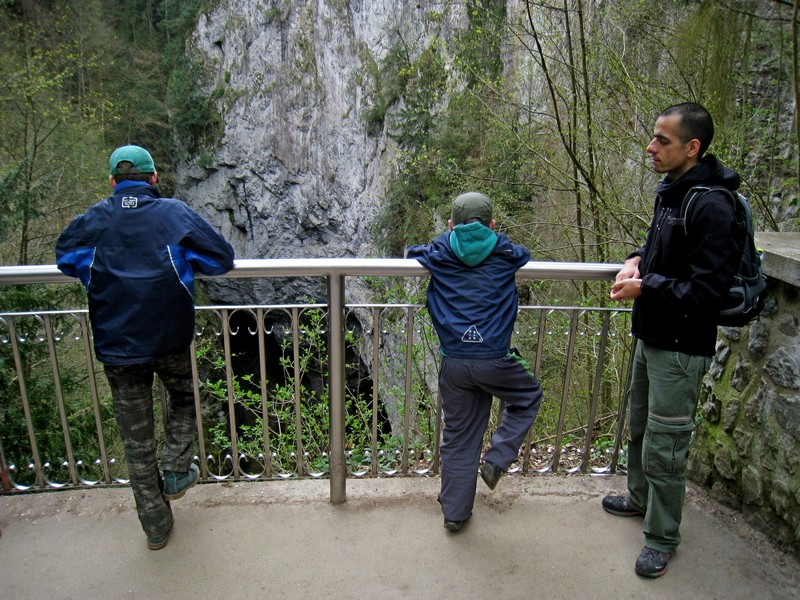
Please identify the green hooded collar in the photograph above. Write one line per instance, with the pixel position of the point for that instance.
(472, 242)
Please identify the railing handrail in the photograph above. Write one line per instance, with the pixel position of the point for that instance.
(324, 267)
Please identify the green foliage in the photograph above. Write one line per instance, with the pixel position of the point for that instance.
(49, 129)
(38, 377)
(453, 141)
(421, 83)
(560, 148)
(196, 119)
(299, 397)
(479, 48)
(390, 78)
(82, 77)
(162, 97)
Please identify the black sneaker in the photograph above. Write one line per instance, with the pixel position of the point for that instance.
(454, 525)
(491, 474)
(652, 562)
(618, 505)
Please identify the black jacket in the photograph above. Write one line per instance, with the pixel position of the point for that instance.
(685, 277)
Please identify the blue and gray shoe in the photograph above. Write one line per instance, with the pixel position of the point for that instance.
(159, 541)
(176, 483)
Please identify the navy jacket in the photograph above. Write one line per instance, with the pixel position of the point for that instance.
(136, 254)
(685, 277)
(472, 294)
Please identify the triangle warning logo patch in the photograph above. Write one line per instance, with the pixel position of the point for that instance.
(472, 336)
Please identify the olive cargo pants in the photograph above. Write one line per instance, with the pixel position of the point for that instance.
(665, 386)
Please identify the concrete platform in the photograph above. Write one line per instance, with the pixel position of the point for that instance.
(534, 537)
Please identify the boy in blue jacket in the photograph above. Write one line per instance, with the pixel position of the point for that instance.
(472, 300)
(136, 254)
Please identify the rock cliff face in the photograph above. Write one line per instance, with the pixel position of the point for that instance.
(296, 174)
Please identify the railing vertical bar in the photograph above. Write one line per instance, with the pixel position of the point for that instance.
(262, 363)
(5, 481)
(598, 380)
(338, 466)
(95, 397)
(198, 410)
(376, 369)
(540, 333)
(226, 343)
(62, 409)
(298, 397)
(26, 408)
(623, 406)
(573, 331)
(543, 314)
(408, 379)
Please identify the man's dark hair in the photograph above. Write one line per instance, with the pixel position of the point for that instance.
(696, 123)
(125, 174)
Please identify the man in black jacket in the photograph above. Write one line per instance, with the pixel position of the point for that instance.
(677, 281)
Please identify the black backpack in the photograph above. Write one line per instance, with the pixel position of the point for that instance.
(746, 297)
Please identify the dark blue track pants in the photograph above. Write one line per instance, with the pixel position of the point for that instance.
(467, 387)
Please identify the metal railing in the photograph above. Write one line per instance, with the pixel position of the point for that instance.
(255, 420)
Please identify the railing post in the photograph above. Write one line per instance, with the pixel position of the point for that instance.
(338, 466)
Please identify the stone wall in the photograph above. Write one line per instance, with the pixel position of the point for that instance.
(747, 442)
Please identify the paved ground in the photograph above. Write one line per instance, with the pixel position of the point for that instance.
(535, 537)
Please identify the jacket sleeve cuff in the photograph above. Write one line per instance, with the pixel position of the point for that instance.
(638, 252)
(651, 281)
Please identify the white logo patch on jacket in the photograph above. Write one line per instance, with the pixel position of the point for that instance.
(472, 336)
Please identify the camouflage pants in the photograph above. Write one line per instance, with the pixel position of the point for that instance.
(132, 393)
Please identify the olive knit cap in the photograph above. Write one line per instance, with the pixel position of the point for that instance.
(140, 159)
(472, 206)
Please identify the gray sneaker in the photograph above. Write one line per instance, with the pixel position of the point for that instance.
(491, 474)
(652, 562)
(176, 483)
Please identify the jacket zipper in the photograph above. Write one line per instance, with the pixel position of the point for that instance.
(663, 214)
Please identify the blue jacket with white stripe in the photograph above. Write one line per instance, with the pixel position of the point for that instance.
(136, 254)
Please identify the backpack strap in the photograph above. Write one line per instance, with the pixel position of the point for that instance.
(697, 192)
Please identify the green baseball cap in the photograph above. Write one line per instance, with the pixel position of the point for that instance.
(470, 206)
(140, 159)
